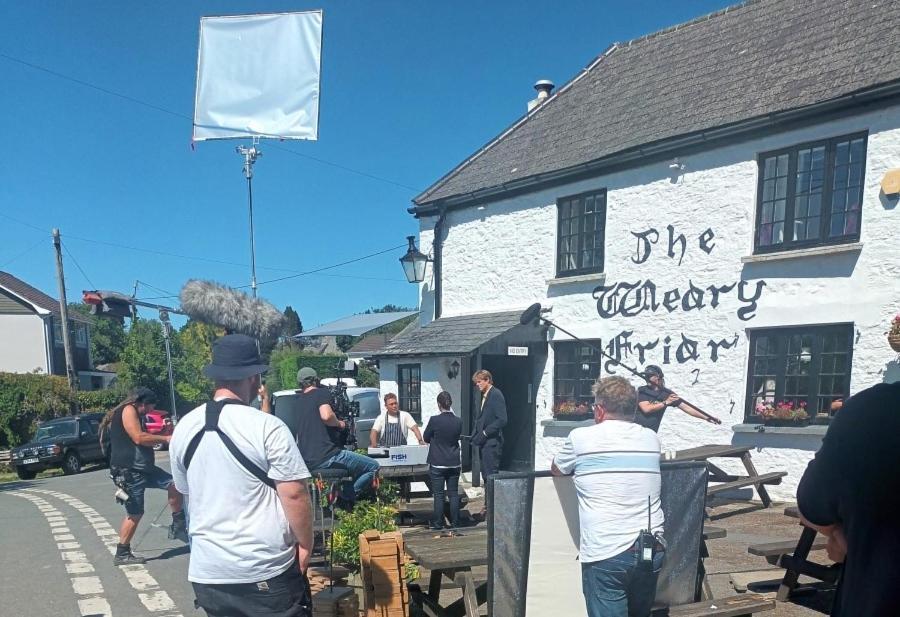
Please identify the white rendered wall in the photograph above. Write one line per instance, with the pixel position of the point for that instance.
(434, 381)
(22, 346)
(501, 258)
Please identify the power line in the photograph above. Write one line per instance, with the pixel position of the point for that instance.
(343, 263)
(170, 112)
(22, 254)
(165, 291)
(78, 265)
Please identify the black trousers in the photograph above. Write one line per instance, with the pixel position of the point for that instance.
(491, 452)
(440, 476)
(285, 595)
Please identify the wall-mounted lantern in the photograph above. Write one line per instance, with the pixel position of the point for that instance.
(414, 262)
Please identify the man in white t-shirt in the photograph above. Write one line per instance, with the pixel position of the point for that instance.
(616, 467)
(250, 518)
(392, 427)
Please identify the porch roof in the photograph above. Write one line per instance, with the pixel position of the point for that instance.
(460, 335)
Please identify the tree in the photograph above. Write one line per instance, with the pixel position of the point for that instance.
(292, 323)
(195, 343)
(143, 360)
(107, 336)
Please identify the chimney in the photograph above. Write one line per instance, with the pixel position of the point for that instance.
(544, 87)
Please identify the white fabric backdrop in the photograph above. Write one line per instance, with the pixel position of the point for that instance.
(258, 76)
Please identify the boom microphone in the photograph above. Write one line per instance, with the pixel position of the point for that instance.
(530, 314)
(228, 308)
(534, 312)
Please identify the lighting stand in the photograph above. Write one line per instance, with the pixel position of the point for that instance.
(250, 155)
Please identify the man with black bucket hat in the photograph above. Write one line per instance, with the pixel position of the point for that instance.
(245, 481)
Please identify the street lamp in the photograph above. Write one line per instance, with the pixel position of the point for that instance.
(414, 262)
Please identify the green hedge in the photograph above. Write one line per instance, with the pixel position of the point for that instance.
(29, 398)
(287, 361)
(100, 401)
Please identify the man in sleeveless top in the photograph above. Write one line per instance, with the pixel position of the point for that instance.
(132, 460)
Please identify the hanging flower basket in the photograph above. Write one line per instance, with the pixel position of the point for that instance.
(894, 342)
(893, 334)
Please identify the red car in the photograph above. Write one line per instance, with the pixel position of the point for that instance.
(158, 423)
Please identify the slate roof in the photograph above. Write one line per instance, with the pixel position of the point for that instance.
(370, 343)
(748, 61)
(451, 335)
(35, 296)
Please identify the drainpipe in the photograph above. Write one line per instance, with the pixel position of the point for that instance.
(437, 244)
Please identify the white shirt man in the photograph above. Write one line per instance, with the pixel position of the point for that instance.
(243, 529)
(392, 427)
(616, 467)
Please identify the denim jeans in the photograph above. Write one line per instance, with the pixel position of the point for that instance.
(620, 586)
(361, 468)
(439, 475)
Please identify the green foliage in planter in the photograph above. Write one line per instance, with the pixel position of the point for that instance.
(366, 515)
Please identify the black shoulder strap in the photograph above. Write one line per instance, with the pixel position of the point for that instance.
(213, 410)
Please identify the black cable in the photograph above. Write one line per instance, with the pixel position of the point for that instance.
(22, 254)
(78, 265)
(343, 263)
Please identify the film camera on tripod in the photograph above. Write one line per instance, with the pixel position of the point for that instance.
(343, 407)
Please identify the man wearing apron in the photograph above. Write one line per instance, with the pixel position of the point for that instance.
(392, 427)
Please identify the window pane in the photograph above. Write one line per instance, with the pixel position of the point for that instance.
(575, 368)
(581, 235)
(847, 188)
(814, 362)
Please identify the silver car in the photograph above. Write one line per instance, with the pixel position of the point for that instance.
(369, 400)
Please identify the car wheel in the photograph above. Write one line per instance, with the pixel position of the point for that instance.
(71, 463)
(25, 474)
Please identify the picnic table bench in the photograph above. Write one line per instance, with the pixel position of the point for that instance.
(725, 481)
(452, 558)
(733, 606)
(793, 557)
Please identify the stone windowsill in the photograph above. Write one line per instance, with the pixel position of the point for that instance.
(834, 249)
(813, 430)
(597, 277)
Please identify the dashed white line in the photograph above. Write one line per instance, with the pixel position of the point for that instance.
(93, 603)
(153, 598)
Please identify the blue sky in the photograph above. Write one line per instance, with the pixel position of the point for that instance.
(409, 89)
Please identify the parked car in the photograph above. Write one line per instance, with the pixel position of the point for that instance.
(67, 442)
(158, 422)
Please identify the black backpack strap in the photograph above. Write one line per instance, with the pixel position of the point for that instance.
(213, 410)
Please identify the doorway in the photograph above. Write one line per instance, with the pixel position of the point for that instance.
(514, 377)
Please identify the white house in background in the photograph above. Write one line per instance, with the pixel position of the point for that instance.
(706, 198)
(31, 335)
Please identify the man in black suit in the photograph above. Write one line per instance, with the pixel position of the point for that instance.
(488, 433)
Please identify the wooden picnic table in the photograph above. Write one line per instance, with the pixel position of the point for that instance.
(452, 557)
(725, 481)
(405, 475)
(796, 563)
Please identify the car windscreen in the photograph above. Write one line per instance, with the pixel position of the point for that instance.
(369, 406)
(58, 429)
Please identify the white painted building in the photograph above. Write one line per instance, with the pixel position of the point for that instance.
(707, 199)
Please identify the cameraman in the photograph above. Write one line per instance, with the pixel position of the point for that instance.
(314, 414)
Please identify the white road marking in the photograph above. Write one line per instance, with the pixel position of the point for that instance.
(93, 603)
(155, 600)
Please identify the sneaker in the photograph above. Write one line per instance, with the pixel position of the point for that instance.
(178, 531)
(128, 559)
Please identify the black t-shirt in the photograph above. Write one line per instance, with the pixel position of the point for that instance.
(854, 480)
(301, 414)
(649, 420)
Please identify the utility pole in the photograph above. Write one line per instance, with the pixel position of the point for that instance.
(64, 313)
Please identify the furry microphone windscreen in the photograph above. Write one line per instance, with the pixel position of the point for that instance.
(231, 309)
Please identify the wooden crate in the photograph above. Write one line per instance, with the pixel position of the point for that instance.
(382, 557)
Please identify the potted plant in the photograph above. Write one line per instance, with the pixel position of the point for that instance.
(893, 334)
(783, 413)
(572, 411)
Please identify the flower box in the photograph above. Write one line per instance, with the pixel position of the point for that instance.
(573, 417)
(782, 413)
(572, 411)
(785, 422)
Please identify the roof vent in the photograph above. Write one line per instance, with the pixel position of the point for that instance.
(544, 87)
